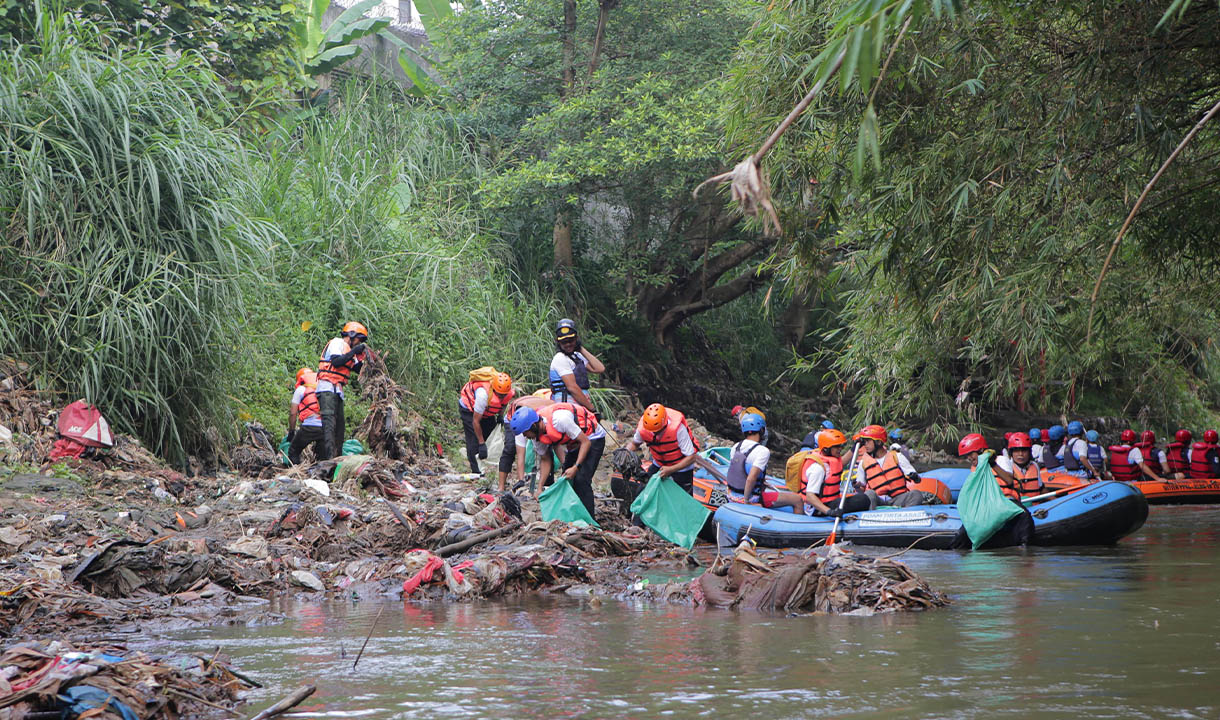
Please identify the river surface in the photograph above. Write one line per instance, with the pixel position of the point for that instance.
(1115, 632)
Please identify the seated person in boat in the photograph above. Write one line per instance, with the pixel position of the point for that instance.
(1051, 458)
(1075, 453)
(748, 466)
(1021, 477)
(896, 443)
(822, 478)
(1177, 455)
(1036, 436)
(1097, 455)
(1128, 462)
(1204, 457)
(884, 472)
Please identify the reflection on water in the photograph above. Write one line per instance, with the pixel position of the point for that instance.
(1122, 632)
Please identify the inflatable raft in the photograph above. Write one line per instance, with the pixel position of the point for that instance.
(1098, 514)
(1181, 492)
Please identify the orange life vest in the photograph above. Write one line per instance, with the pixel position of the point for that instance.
(337, 375)
(1200, 468)
(551, 436)
(831, 485)
(308, 407)
(1120, 466)
(495, 403)
(1028, 481)
(884, 477)
(664, 445)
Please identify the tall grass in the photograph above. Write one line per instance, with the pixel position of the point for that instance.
(122, 246)
(374, 200)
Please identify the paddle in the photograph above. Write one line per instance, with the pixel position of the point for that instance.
(711, 467)
(1053, 493)
(851, 469)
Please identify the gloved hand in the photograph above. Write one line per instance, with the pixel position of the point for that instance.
(359, 348)
(291, 434)
(835, 512)
(482, 451)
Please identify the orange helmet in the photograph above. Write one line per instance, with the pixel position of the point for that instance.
(831, 438)
(307, 376)
(355, 328)
(501, 384)
(655, 418)
(871, 432)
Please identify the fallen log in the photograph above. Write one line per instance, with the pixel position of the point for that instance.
(470, 542)
(287, 703)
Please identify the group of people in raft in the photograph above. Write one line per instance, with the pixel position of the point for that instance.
(566, 431)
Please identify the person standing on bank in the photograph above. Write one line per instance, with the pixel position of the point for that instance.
(669, 440)
(480, 403)
(514, 444)
(570, 367)
(573, 427)
(341, 359)
(304, 408)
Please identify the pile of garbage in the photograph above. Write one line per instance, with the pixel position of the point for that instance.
(53, 680)
(831, 580)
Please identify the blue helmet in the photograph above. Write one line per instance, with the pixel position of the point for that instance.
(751, 422)
(896, 434)
(1056, 432)
(523, 419)
(828, 425)
(1075, 428)
(1035, 434)
(1091, 436)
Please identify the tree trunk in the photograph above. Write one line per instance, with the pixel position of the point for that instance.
(603, 17)
(795, 320)
(569, 47)
(561, 238)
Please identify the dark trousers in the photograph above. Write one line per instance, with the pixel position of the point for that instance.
(306, 435)
(685, 479)
(330, 406)
(508, 456)
(583, 482)
(853, 503)
(472, 443)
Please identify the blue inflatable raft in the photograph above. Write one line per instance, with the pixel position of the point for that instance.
(1100, 514)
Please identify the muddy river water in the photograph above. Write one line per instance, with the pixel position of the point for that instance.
(1115, 632)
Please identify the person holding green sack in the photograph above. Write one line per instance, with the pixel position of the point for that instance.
(972, 447)
(577, 430)
(670, 442)
(514, 444)
(304, 407)
(985, 512)
(670, 511)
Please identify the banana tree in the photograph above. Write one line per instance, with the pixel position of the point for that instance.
(320, 50)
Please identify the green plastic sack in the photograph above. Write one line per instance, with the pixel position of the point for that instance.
(530, 460)
(285, 446)
(560, 502)
(982, 505)
(670, 511)
(352, 446)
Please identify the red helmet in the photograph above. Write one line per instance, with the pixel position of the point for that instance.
(1008, 436)
(1019, 440)
(971, 443)
(1128, 436)
(1147, 438)
(1210, 436)
(1182, 436)
(871, 432)
(1046, 433)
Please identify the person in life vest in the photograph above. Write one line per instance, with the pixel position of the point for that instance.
(1205, 457)
(480, 403)
(570, 367)
(304, 407)
(1021, 477)
(1052, 450)
(1035, 436)
(884, 472)
(1075, 453)
(341, 359)
(822, 480)
(574, 427)
(670, 442)
(748, 461)
(1154, 457)
(739, 411)
(971, 447)
(513, 453)
(1097, 454)
(896, 443)
(1177, 455)
(1128, 463)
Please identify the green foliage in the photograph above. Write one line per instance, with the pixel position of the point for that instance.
(320, 50)
(1012, 141)
(121, 242)
(374, 200)
(248, 43)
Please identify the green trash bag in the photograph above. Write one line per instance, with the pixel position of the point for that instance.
(670, 511)
(982, 505)
(560, 502)
(530, 460)
(352, 446)
(285, 446)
